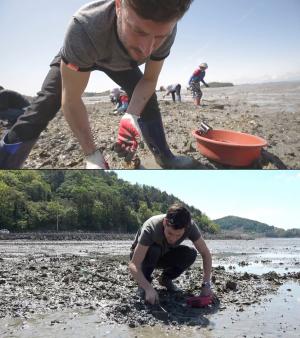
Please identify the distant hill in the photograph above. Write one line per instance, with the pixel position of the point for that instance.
(85, 94)
(88, 94)
(251, 227)
(220, 84)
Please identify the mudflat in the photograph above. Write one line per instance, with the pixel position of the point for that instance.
(270, 111)
(58, 287)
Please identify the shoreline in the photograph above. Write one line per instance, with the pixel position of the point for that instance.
(67, 236)
(106, 236)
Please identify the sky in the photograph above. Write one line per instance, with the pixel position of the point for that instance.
(270, 197)
(242, 41)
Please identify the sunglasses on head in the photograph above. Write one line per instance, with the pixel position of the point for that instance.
(171, 222)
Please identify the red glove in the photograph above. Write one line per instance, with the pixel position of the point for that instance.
(199, 301)
(129, 135)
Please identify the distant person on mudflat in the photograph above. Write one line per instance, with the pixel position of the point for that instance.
(174, 90)
(12, 105)
(114, 95)
(157, 245)
(115, 37)
(123, 102)
(194, 83)
(120, 99)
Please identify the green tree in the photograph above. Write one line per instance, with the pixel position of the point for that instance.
(12, 207)
(144, 212)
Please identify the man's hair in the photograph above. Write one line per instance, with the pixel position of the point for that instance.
(159, 10)
(178, 216)
(1, 88)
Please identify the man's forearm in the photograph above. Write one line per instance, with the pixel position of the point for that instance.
(207, 267)
(77, 118)
(139, 276)
(141, 95)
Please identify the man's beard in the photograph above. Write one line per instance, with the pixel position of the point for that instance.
(128, 48)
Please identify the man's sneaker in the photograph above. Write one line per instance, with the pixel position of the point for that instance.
(168, 284)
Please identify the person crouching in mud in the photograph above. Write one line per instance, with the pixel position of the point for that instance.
(173, 89)
(114, 37)
(157, 245)
(120, 99)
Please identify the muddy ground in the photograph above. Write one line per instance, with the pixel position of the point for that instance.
(36, 285)
(271, 111)
(83, 289)
(67, 236)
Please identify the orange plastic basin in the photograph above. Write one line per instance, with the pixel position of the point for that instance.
(230, 147)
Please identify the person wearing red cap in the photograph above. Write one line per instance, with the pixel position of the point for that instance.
(158, 245)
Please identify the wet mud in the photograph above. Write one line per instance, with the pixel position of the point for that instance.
(270, 111)
(37, 285)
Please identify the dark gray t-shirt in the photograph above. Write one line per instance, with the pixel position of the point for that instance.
(92, 41)
(152, 232)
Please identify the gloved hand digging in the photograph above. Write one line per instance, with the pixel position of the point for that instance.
(129, 136)
(206, 297)
(199, 301)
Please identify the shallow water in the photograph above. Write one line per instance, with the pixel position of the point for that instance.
(282, 96)
(18, 249)
(257, 256)
(260, 255)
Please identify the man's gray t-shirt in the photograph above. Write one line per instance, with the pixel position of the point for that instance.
(152, 232)
(92, 41)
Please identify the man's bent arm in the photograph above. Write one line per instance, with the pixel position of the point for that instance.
(135, 266)
(145, 87)
(200, 245)
(73, 86)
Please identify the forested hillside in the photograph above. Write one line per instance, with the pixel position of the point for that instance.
(244, 225)
(41, 200)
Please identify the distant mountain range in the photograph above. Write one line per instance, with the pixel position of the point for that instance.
(239, 225)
